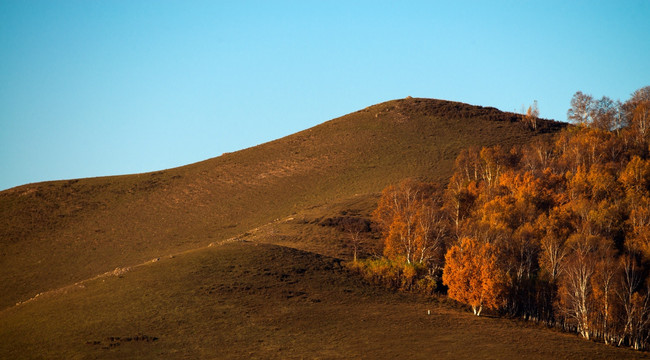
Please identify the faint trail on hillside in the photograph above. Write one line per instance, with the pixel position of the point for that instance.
(119, 271)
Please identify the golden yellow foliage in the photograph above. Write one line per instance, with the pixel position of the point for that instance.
(473, 275)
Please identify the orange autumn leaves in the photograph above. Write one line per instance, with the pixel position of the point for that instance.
(556, 219)
(413, 225)
(557, 231)
(473, 275)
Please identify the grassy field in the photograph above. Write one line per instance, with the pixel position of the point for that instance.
(246, 300)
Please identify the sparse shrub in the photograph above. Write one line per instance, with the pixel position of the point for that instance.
(427, 285)
(396, 275)
(409, 274)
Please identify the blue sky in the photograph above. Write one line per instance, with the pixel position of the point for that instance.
(93, 88)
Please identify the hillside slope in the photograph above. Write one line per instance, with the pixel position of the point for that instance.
(57, 233)
(254, 301)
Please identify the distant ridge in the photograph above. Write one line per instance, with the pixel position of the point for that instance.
(54, 234)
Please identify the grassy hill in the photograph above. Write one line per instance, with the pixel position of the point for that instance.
(56, 233)
(281, 290)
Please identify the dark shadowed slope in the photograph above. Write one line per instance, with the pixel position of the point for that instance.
(57, 233)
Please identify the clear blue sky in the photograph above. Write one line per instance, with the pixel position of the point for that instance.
(93, 88)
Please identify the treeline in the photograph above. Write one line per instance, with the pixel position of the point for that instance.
(556, 232)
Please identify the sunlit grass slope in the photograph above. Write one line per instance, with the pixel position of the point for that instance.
(57, 233)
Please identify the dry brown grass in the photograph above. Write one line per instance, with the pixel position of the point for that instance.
(246, 300)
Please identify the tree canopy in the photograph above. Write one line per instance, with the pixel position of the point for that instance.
(555, 231)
